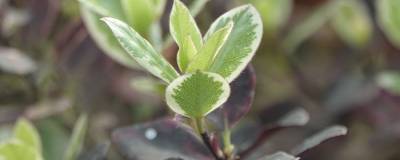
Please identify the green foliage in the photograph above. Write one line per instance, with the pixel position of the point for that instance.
(389, 19)
(26, 133)
(195, 95)
(228, 47)
(18, 150)
(24, 145)
(241, 44)
(54, 138)
(140, 14)
(185, 32)
(141, 50)
(353, 23)
(76, 142)
(206, 55)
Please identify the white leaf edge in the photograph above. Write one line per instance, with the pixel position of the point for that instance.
(171, 102)
(114, 23)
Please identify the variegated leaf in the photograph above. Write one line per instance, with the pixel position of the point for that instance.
(183, 29)
(141, 50)
(210, 50)
(389, 19)
(195, 95)
(352, 23)
(241, 44)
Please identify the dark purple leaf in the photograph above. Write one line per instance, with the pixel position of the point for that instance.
(318, 138)
(239, 102)
(293, 118)
(162, 139)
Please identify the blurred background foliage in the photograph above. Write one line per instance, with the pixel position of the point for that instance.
(338, 59)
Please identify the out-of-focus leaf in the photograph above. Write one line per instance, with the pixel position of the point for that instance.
(100, 33)
(318, 138)
(13, 61)
(239, 102)
(195, 95)
(97, 153)
(210, 50)
(309, 26)
(17, 150)
(140, 14)
(147, 85)
(390, 81)
(25, 132)
(54, 138)
(196, 6)
(297, 117)
(279, 156)
(160, 139)
(389, 19)
(352, 23)
(241, 44)
(141, 50)
(274, 13)
(13, 20)
(185, 32)
(77, 139)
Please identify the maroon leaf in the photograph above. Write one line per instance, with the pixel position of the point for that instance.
(239, 102)
(162, 139)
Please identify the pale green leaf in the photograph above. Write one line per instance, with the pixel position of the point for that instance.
(25, 132)
(279, 156)
(186, 53)
(77, 139)
(352, 22)
(241, 44)
(141, 14)
(141, 50)
(100, 33)
(17, 150)
(389, 19)
(182, 25)
(274, 13)
(390, 81)
(195, 95)
(210, 50)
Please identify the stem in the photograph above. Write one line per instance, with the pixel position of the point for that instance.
(228, 146)
(198, 124)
